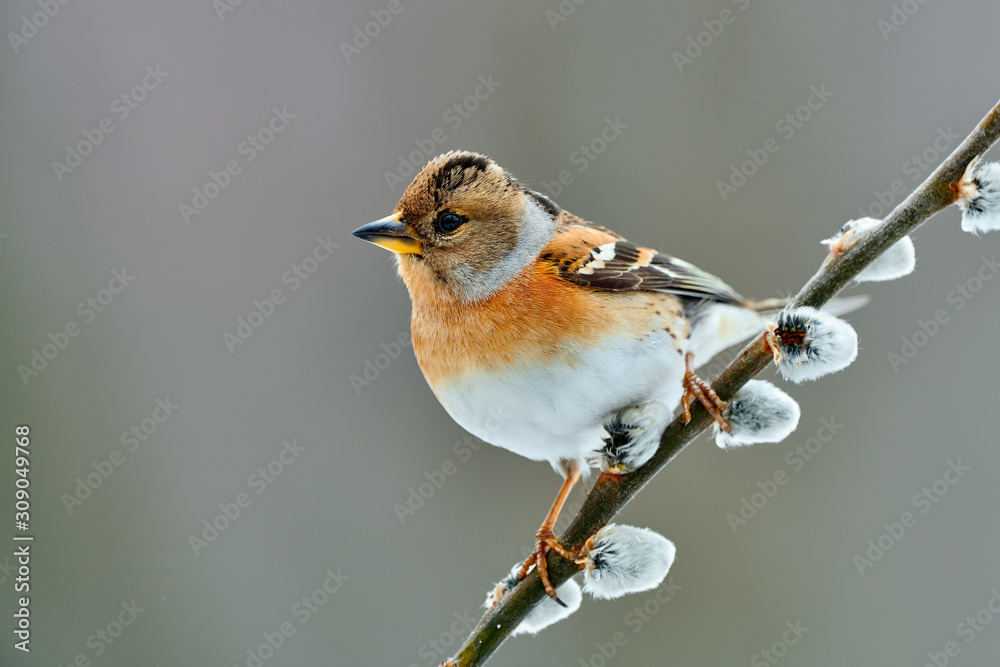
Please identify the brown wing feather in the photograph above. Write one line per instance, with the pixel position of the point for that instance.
(596, 257)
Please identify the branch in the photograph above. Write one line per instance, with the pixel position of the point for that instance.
(611, 493)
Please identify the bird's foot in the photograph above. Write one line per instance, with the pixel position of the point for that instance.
(695, 387)
(545, 539)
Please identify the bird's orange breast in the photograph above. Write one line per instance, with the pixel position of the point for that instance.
(538, 318)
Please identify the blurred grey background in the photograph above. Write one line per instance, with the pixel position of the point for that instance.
(332, 110)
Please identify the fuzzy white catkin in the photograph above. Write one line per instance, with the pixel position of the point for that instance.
(626, 559)
(980, 202)
(898, 261)
(546, 612)
(633, 437)
(830, 345)
(759, 412)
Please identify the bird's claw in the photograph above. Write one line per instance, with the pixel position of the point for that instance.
(695, 387)
(545, 539)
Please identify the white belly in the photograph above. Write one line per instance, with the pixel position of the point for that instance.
(549, 412)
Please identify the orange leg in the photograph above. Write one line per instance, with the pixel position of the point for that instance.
(546, 539)
(695, 387)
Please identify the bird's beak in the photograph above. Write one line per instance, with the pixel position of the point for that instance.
(389, 233)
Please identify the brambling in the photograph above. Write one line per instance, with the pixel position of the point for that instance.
(524, 310)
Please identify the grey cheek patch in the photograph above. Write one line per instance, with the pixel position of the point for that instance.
(537, 229)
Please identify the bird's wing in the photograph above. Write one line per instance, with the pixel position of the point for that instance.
(595, 257)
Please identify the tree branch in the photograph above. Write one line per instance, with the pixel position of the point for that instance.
(611, 493)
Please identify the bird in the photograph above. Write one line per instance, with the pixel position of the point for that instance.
(535, 329)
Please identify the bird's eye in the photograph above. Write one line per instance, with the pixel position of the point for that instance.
(449, 222)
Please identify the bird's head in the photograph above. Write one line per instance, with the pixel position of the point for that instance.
(467, 223)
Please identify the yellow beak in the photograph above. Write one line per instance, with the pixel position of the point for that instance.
(389, 233)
